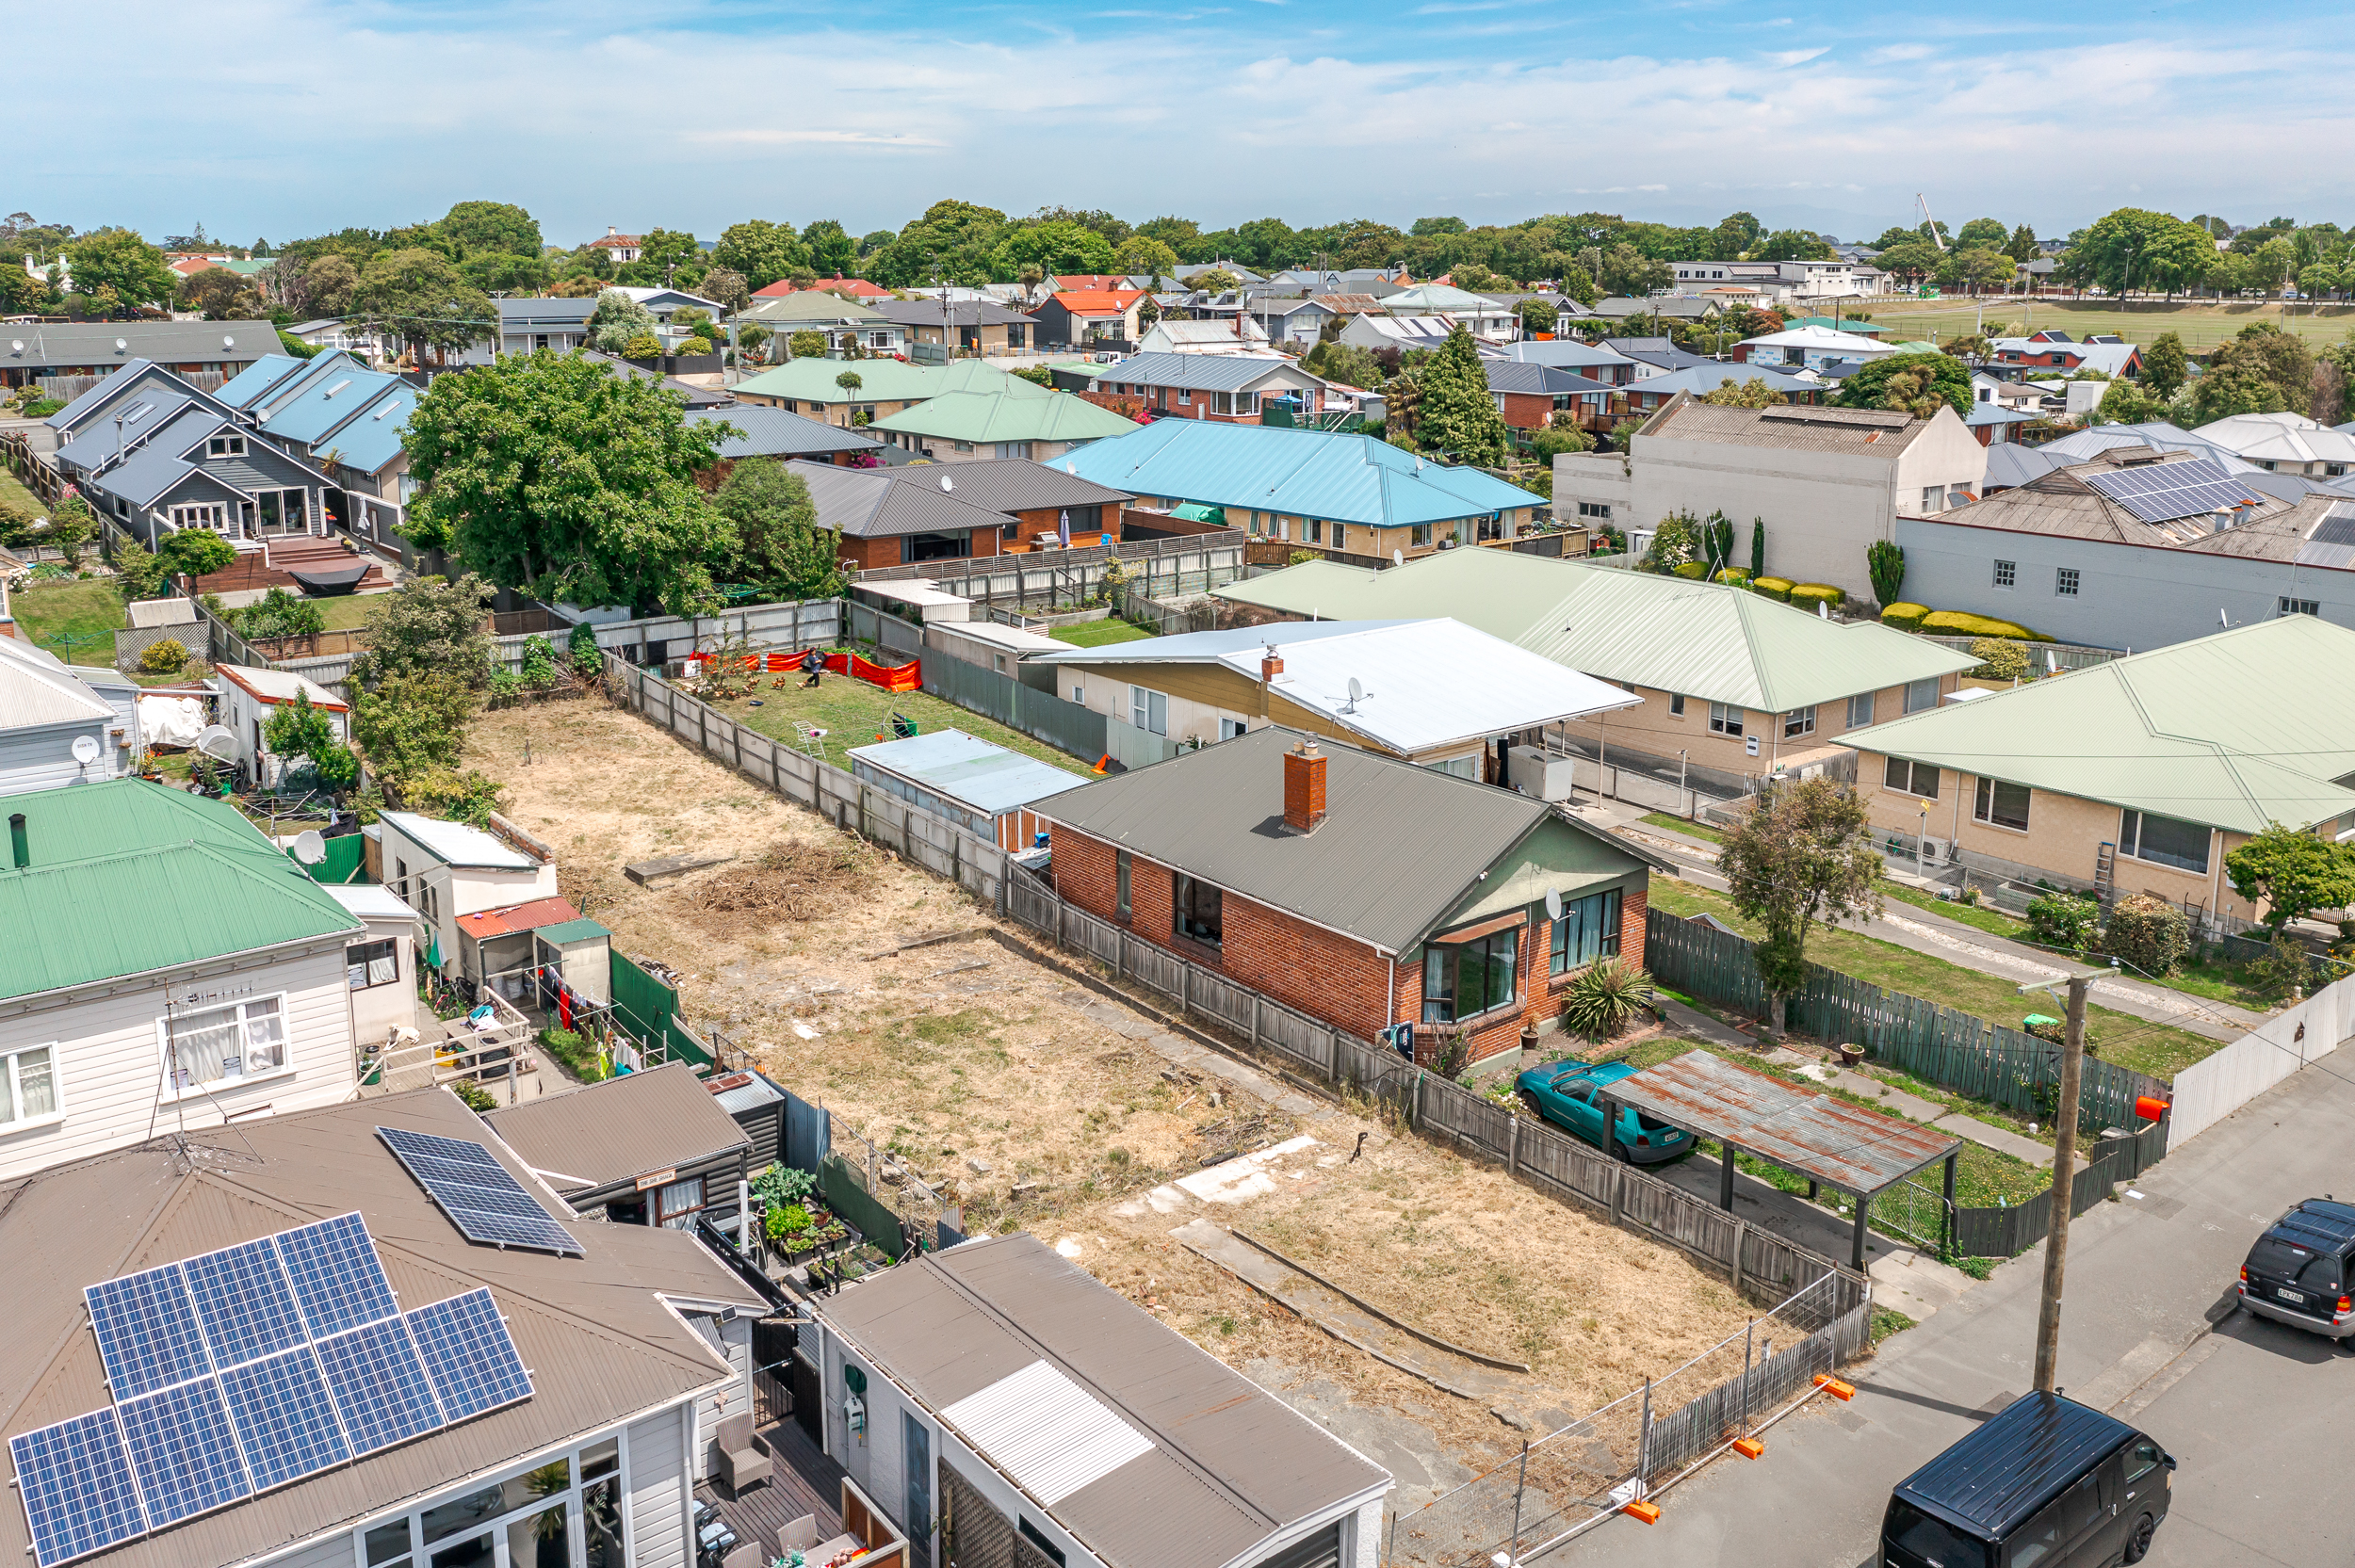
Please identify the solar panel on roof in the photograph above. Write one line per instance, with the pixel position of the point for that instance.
(184, 1451)
(244, 1302)
(336, 1278)
(147, 1331)
(2163, 492)
(480, 1196)
(378, 1386)
(469, 1354)
(285, 1418)
(75, 1479)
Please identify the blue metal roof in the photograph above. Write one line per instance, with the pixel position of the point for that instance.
(370, 437)
(968, 769)
(257, 379)
(328, 402)
(1348, 479)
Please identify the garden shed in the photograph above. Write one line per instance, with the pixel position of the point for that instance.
(651, 1148)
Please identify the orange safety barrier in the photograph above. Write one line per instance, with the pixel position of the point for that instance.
(901, 677)
(1648, 1512)
(780, 663)
(1834, 1387)
(1748, 1448)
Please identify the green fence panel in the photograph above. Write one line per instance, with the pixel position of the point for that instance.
(875, 1219)
(644, 1004)
(346, 856)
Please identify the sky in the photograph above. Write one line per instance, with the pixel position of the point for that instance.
(280, 119)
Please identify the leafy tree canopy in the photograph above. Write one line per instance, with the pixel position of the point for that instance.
(616, 320)
(1053, 248)
(2262, 369)
(473, 229)
(1457, 413)
(777, 542)
(1802, 856)
(116, 271)
(2134, 247)
(832, 251)
(422, 299)
(1915, 383)
(2291, 873)
(1752, 393)
(761, 251)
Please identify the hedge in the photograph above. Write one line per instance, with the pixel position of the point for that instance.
(1778, 588)
(1810, 594)
(1691, 569)
(1959, 624)
(1734, 576)
(1904, 617)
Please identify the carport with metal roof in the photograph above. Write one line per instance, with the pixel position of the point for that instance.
(1826, 1139)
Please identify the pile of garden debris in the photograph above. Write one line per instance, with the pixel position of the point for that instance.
(802, 879)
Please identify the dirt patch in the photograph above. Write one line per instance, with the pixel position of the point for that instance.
(1039, 1104)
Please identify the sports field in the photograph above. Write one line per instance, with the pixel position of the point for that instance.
(2200, 326)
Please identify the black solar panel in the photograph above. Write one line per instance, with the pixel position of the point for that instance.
(481, 1198)
(2163, 492)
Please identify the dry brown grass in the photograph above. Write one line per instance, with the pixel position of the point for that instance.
(985, 1069)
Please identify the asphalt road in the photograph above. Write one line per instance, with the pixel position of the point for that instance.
(2257, 1412)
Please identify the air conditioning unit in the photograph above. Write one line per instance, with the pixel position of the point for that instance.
(1539, 773)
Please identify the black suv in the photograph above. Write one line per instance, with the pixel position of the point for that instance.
(2301, 1270)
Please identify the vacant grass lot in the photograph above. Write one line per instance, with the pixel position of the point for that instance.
(2118, 1038)
(854, 712)
(1097, 634)
(2200, 326)
(76, 621)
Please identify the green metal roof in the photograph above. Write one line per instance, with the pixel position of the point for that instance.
(1671, 633)
(81, 821)
(569, 930)
(2231, 730)
(879, 381)
(1034, 414)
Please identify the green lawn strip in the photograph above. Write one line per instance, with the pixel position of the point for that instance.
(2200, 326)
(1096, 633)
(76, 621)
(1679, 825)
(2118, 1038)
(2219, 982)
(1992, 921)
(852, 712)
(348, 612)
(14, 495)
(1888, 1321)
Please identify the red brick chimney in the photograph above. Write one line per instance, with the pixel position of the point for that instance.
(1270, 666)
(1303, 787)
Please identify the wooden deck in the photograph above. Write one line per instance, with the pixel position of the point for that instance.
(268, 567)
(804, 1481)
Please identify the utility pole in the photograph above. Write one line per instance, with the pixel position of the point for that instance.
(2064, 1172)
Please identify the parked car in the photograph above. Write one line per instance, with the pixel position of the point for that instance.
(2302, 1270)
(1565, 1094)
(2044, 1481)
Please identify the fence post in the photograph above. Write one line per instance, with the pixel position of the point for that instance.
(1619, 1192)
(1513, 1160)
(1741, 1235)
(1643, 1445)
(1185, 989)
(1255, 999)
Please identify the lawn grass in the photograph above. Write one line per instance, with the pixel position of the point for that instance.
(1992, 921)
(853, 712)
(1679, 825)
(14, 495)
(1098, 634)
(76, 621)
(347, 612)
(2201, 325)
(2118, 1038)
(2219, 981)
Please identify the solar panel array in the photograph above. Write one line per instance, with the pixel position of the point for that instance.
(481, 1199)
(245, 1369)
(2163, 492)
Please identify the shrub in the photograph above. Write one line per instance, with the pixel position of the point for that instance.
(2000, 660)
(787, 1224)
(1904, 617)
(574, 1050)
(695, 345)
(1604, 998)
(506, 686)
(2064, 921)
(581, 649)
(1962, 623)
(136, 573)
(539, 663)
(645, 346)
(473, 1095)
(806, 346)
(1807, 596)
(1734, 576)
(1777, 589)
(781, 1184)
(1885, 563)
(1691, 569)
(2147, 934)
(168, 657)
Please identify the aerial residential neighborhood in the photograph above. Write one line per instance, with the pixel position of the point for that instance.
(927, 820)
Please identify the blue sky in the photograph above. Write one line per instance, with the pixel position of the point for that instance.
(284, 117)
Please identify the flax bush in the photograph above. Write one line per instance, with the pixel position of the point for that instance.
(1604, 998)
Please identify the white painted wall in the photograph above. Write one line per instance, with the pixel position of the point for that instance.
(109, 1055)
(2212, 1089)
(733, 1341)
(443, 893)
(42, 757)
(655, 1465)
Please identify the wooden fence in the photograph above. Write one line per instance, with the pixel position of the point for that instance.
(38, 477)
(2008, 1232)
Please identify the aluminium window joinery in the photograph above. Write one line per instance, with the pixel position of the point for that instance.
(1588, 931)
(2004, 805)
(1464, 980)
(2164, 841)
(219, 1045)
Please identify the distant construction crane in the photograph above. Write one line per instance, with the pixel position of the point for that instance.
(1936, 238)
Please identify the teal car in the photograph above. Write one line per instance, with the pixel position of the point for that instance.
(1565, 1094)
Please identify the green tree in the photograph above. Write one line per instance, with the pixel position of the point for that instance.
(2023, 245)
(1344, 363)
(413, 724)
(1802, 856)
(728, 288)
(762, 251)
(1538, 315)
(1627, 271)
(1885, 563)
(807, 344)
(1053, 248)
(428, 626)
(1981, 231)
(1751, 393)
(116, 271)
(669, 258)
(2129, 403)
(1791, 245)
(832, 251)
(326, 286)
(1142, 256)
(958, 240)
(2134, 247)
(1216, 280)
(473, 229)
(2293, 873)
(222, 295)
(778, 543)
(554, 474)
(139, 574)
(1915, 383)
(2164, 367)
(1458, 413)
(422, 299)
(1913, 258)
(1977, 267)
(297, 729)
(616, 320)
(2262, 369)
(195, 552)
(1758, 547)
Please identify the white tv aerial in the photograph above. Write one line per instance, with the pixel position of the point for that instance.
(308, 847)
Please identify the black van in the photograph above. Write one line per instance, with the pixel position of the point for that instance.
(2045, 1483)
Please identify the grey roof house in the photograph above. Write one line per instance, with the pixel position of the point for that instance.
(42, 350)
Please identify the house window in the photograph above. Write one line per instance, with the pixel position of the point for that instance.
(1676, 703)
(1198, 913)
(1011, 450)
(1079, 695)
(1315, 531)
(1464, 980)
(220, 1045)
(1230, 729)
(2299, 607)
(1933, 497)
(1121, 867)
(677, 1202)
(1799, 721)
(1921, 695)
(1588, 930)
(2064, 580)
(225, 447)
(1599, 511)
(29, 1086)
(2007, 574)
(214, 515)
(1912, 778)
(1420, 535)
(2164, 841)
(1149, 710)
(372, 963)
(2005, 805)
(1724, 720)
(1860, 710)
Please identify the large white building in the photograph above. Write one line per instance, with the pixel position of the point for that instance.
(1779, 281)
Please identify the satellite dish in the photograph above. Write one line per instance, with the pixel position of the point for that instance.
(1398, 558)
(121, 345)
(16, 346)
(1553, 904)
(85, 749)
(228, 342)
(948, 483)
(309, 847)
(218, 742)
(1357, 690)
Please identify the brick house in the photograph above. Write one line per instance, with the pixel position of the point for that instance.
(920, 512)
(1363, 890)
(1529, 396)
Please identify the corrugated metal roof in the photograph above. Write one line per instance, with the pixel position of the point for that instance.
(328, 402)
(602, 1348)
(881, 381)
(772, 432)
(1830, 1140)
(995, 416)
(257, 379)
(1565, 352)
(1399, 845)
(138, 379)
(1519, 376)
(457, 844)
(968, 769)
(1228, 1467)
(371, 901)
(964, 313)
(1350, 478)
(2015, 1462)
(35, 689)
(279, 686)
(1670, 634)
(2233, 730)
(1199, 647)
(166, 342)
(1052, 1436)
(564, 932)
(1854, 432)
(122, 815)
(1207, 372)
(870, 502)
(1014, 484)
(618, 1130)
(527, 916)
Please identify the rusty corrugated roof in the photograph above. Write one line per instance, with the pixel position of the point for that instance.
(528, 916)
(600, 1346)
(1820, 1136)
(621, 1129)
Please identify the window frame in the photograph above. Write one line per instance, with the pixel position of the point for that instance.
(1124, 883)
(1799, 721)
(2006, 576)
(2133, 832)
(1870, 701)
(1676, 705)
(1914, 688)
(1606, 908)
(12, 1089)
(2285, 606)
(367, 962)
(1142, 699)
(1984, 803)
(1186, 900)
(1448, 957)
(175, 1090)
(2067, 582)
(1726, 719)
(1890, 767)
